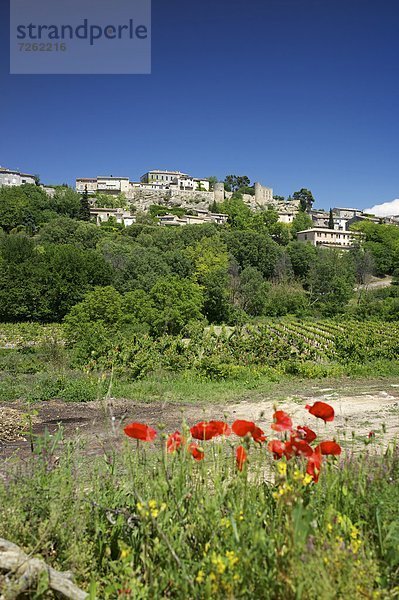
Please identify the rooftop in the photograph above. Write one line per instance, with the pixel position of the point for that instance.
(326, 230)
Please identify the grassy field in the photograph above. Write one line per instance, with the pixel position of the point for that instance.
(131, 520)
(143, 523)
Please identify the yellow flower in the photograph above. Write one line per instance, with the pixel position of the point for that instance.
(232, 558)
(307, 479)
(200, 577)
(329, 527)
(225, 522)
(282, 468)
(219, 563)
(297, 476)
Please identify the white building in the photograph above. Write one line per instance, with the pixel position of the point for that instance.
(329, 238)
(10, 178)
(102, 215)
(201, 217)
(86, 182)
(158, 179)
(103, 185)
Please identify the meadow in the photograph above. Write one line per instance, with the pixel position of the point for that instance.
(254, 506)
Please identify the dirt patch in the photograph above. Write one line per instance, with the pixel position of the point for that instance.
(13, 424)
(360, 407)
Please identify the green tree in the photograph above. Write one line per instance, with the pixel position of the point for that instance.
(330, 282)
(301, 222)
(305, 198)
(84, 213)
(302, 257)
(253, 292)
(331, 220)
(177, 302)
(234, 182)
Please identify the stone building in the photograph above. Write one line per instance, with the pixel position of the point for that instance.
(10, 178)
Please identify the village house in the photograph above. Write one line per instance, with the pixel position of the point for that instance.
(329, 238)
(10, 178)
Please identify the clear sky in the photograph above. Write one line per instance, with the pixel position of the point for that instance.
(292, 93)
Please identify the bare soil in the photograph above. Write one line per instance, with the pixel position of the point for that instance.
(360, 406)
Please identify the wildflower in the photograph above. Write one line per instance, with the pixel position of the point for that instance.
(243, 428)
(219, 563)
(258, 435)
(321, 410)
(371, 434)
(232, 558)
(298, 447)
(241, 457)
(314, 465)
(306, 434)
(225, 522)
(139, 431)
(200, 576)
(207, 430)
(196, 452)
(307, 479)
(331, 448)
(174, 441)
(220, 427)
(282, 421)
(282, 469)
(277, 448)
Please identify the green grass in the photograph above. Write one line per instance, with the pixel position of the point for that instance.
(139, 523)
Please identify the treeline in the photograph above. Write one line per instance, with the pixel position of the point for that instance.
(158, 280)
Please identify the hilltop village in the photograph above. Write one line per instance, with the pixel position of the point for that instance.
(179, 199)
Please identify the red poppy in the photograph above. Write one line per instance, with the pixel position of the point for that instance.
(282, 421)
(139, 431)
(243, 428)
(331, 448)
(277, 448)
(258, 435)
(241, 457)
(314, 465)
(306, 434)
(196, 452)
(174, 441)
(298, 447)
(220, 427)
(371, 435)
(321, 410)
(203, 431)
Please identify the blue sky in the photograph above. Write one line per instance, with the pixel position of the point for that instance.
(292, 93)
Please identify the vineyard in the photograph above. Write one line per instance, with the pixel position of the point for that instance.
(274, 341)
(288, 345)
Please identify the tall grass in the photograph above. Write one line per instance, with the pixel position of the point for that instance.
(140, 523)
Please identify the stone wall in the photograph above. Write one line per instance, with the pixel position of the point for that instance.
(143, 198)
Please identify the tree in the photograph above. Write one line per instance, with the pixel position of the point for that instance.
(364, 264)
(84, 213)
(305, 198)
(302, 257)
(212, 180)
(214, 207)
(235, 182)
(24, 206)
(240, 215)
(253, 291)
(331, 220)
(300, 222)
(177, 301)
(279, 198)
(253, 249)
(330, 282)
